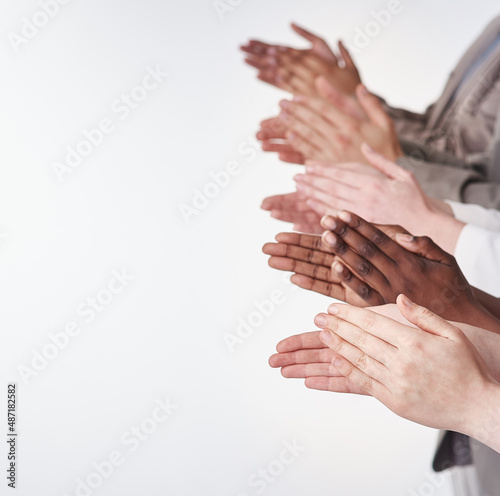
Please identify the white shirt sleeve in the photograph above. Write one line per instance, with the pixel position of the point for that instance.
(478, 255)
(475, 214)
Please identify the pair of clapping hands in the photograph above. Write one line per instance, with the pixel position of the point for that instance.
(418, 362)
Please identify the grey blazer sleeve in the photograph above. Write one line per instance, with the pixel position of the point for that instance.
(445, 177)
(407, 123)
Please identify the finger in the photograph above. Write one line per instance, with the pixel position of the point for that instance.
(373, 108)
(342, 173)
(359, 379)
(302, 371)
(319, 130)
(323, 209)
(305, 34)
(295, 216)
(334, 385)
(344, 103)
(260, 62)
(312, 228)
(346, 56)
(311, 270)
(303, 240)
(424, 247)
(358, 254)
(303, 356)
(293, 81)
(292, 157)
(373, 323)
(296, 66)
(333, 115)
(356, 285)
(305, 340)
(272, 128)
(384, 165)
(330, 289)
(273, 77)
(311, 256)
(427, 320)
(288, 198)
(304, 147)
(367, 352)
(337, 189)
(380, 248)
(269, 146)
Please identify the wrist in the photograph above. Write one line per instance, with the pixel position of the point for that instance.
(481, 419)
(443, 229)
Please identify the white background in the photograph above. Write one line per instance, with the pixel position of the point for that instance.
(163, 335)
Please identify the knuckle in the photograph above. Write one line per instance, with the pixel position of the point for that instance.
(361, 361)
(367, 384)
(368, 321)
(360, 339)
(364, 268)
(364, 292)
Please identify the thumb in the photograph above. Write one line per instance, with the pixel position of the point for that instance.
(424, 247)
(346, 56)
(382, 164)
(305, 34)
(321, 46)
(424, 319)
(373, 108)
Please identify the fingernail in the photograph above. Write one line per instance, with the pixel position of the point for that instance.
(329, 222)
(298, 177)
(363, 90)
(338, 267)
(291, 136)
(333, 309)
(320, 320)
(298, 98)
(284, 104)
(404, 238)
(345, 216)
(325, 336)
(329, 238)
(300, 187)
(336, 362)
(284, 115)
(368, 148)
(406, 301)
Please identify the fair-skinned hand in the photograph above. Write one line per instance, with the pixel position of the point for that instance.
(292, 207)
(321, 130)
(296, 70)
(272, 134)
(430, 374)
(383, 193)
(305, 356)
